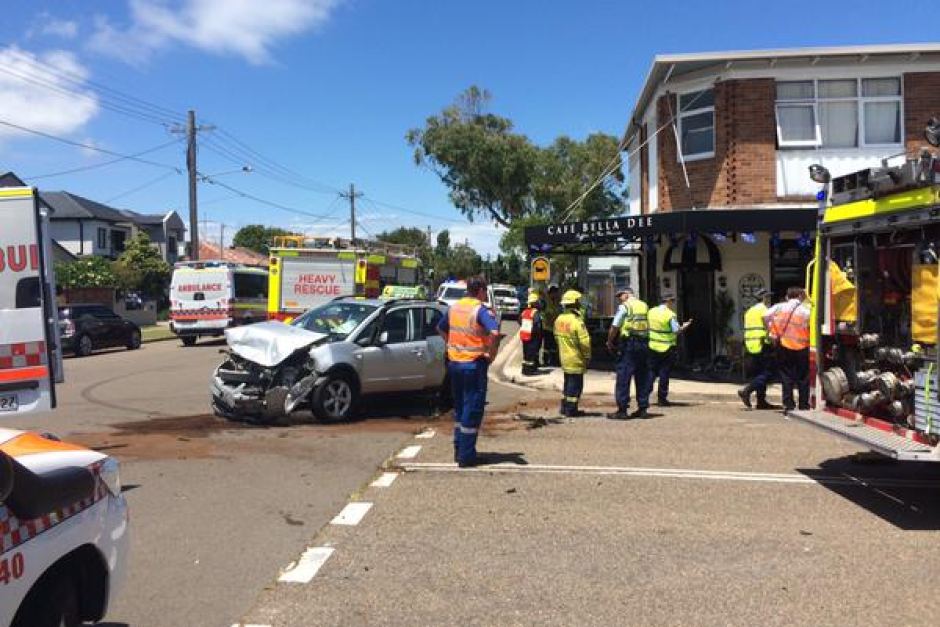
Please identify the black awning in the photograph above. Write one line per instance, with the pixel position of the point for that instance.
(625, 229)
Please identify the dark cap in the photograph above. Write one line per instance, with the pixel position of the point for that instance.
(669, 296)
(624, 290)
(761, 293)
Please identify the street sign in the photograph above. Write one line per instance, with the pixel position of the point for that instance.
(541, 269)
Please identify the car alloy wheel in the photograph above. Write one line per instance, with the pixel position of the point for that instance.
(337, 398)
(134, 342)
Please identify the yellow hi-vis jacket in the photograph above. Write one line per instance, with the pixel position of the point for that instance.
(636, 323)
(755, 333)
(662, 337)
(574, 342)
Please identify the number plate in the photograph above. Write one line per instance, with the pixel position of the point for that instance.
(8, 402)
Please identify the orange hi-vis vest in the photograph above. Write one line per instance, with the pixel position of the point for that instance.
(526, 321)
(466, 337)
(791, 326)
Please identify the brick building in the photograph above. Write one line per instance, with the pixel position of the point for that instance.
(734, 132)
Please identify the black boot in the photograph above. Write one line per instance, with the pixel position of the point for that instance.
(745, 395)
(763, 404)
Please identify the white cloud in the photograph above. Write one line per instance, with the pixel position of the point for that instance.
(59, 28)
(245, 28)
(41, 99)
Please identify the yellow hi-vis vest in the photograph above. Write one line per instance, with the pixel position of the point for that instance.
(636, 324)
(574, 342)
(755, 333)
(662, 337)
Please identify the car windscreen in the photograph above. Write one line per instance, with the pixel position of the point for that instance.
(338, 319)
(453, 293)
(504, 293)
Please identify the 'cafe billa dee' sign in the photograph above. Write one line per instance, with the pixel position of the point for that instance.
(572, 232)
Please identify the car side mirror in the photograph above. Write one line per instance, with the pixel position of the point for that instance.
(382, 340)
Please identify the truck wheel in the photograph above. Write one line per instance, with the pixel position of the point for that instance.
(83, 346)
(189, 340)
(52, 603)
(133, 342)
(335, 399)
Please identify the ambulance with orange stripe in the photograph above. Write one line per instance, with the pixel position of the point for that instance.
(207, 297)
(306, 272)
(63, 520)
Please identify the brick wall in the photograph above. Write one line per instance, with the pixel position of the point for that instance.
(743, 171)
(921, 102)
(644, 171)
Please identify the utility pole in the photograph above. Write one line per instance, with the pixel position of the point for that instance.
(352, 195)
(191, 131)
(222, 240)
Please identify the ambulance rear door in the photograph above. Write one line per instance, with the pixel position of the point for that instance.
(200, 298)
(28, 336)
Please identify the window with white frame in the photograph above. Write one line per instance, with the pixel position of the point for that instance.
(839, 113)
(697, 124)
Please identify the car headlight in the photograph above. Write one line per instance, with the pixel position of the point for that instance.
(111, 475)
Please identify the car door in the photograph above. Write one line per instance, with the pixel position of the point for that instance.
(113, 331)
(436, 348)
(398, 363)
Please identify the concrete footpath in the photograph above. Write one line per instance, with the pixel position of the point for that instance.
(507, 368)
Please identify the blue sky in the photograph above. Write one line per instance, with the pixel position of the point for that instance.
(328, 88)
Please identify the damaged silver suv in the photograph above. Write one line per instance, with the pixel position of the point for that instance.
(330, 357)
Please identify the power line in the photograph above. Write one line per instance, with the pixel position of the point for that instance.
(569, 210)
(411, 211)
(263, 201)
(102, 163)
(87, 96)
(140, 187)
(105, 151)
(124, 103)
(213, 146)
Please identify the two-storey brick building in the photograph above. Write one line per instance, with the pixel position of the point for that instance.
(729, 136)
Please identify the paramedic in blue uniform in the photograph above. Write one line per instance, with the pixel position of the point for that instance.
(472, 335)
(629, 334)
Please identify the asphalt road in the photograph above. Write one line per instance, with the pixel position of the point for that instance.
(704, 515)
(217, 508)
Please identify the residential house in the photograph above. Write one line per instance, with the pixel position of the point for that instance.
(721, 142)
(86, 227)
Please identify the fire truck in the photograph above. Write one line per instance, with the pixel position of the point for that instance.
(873, 284)
(63, 520)
(305, 272)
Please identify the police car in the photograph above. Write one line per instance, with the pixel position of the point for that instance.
(63, 520)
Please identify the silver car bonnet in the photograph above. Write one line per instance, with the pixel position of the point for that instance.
(269, 343)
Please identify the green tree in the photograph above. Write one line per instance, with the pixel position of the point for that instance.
(442, 249)
(493, 172)
(141, 268)
(258, 237)
(487, 168)
(463, 262)
(86, 272)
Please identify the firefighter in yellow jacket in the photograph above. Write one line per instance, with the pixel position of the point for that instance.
(574, 348)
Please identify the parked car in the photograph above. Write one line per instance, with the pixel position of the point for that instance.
(329, 358)
(507, 302)
(86, 328)
(450, 292)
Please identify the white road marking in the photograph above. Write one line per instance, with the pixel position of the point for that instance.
(677, 473)
(427, 434)
(385, 480)
(352, 514)
(310, 561)
(409, 452)
(249, 625)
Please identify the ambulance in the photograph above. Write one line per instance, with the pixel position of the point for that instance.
(307, 272)
(63, 520)
(207, 297)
